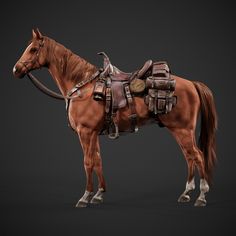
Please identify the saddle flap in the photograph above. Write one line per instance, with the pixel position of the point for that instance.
(118, 95)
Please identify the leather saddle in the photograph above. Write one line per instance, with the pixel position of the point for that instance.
(152, 81)
(119, 79)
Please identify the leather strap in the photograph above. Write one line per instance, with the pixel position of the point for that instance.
(133, 115)
(110, 121)
(82, 83)
(55, 95)
(108, 96)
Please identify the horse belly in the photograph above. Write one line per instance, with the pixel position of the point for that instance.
(141, 111)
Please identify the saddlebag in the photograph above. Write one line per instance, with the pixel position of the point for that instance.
(161, 87)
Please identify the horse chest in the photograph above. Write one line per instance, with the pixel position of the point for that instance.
(85, 113)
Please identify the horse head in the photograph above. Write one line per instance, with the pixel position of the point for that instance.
(34, 56)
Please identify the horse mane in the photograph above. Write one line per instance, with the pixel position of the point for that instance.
(71, 66)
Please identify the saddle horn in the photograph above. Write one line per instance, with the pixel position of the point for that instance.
(107, 66)
(106, 60)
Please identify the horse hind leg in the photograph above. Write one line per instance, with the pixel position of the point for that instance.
(204, 187)
(185, 139)
(194, 157)
(200, 164)
(185, 196)
(198, 161)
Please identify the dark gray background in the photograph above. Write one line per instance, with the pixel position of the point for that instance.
(41, 164)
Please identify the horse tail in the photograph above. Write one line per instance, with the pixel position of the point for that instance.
(207, 140)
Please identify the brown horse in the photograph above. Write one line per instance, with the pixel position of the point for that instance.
(86, 115)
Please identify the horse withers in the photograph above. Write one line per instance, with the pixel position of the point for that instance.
(87, 116)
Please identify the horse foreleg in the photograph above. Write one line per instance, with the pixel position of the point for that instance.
(204, 188)
(98, 197)
(88, 140)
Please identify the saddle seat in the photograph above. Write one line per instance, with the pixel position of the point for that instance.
(118, 75)
(120, 81)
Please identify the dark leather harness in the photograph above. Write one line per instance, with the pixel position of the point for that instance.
(160, 99)
(48, 91)
(39, 85)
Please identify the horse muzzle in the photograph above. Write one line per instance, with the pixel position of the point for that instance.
(19, 71)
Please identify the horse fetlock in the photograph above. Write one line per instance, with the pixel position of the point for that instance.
(85, 199)
(204, 187)
(190, 186)
(98, 197)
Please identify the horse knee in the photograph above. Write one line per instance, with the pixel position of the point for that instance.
(88, 163)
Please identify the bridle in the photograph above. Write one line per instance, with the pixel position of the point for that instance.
(48, 91)
(35, 59)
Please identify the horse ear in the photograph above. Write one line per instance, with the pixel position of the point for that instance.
(36, 34)
(40, 36)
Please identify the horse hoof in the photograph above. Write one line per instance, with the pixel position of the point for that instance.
(81, 204)
(96, 200)
(184, 198)
(200, 203)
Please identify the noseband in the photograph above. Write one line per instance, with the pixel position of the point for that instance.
(34, 60)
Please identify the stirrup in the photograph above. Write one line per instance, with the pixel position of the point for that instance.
(113, 135)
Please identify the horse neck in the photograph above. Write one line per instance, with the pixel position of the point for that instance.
(66, 68)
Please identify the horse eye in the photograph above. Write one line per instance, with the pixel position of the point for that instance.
(33, 50)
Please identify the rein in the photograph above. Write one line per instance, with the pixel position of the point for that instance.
(39, 85)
